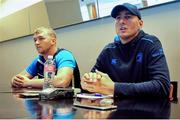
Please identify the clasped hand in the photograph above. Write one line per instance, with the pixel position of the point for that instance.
(20, 81)
(98, 82)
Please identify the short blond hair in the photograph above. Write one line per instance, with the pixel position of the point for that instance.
(49, 31)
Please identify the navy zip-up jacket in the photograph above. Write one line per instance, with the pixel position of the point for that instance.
(138, 68)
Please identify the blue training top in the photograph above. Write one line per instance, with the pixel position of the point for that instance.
(63, 58)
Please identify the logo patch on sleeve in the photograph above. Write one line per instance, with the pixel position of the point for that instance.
(113, 61)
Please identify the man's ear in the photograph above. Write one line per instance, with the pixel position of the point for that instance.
(53, 40)
(141, 23)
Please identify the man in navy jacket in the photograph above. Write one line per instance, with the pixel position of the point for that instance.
(134, 65)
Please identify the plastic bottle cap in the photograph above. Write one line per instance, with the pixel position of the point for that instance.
(50, 57)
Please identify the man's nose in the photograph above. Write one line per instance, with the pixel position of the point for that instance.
(122, 20)
(37, 41)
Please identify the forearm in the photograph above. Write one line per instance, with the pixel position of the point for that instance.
(25, 73)
(150, 88)
(38, 83)
(35, 83)
(62, 81)
(57, 82)
(63, 77)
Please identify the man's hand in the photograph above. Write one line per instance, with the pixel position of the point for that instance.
(106, 85)
(97, 82)
(20, 81)
(89, 80)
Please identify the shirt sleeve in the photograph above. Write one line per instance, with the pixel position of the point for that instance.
(158, 75)
(31, 69)
(65, 59)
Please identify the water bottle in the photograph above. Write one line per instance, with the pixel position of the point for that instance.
(49, 72)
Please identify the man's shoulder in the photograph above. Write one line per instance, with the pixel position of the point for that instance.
(63, 54)
(63, 51)
(151, 39)
(111, 45)
(38, 57)
(149, 42)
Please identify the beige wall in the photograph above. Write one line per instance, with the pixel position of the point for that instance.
(16, 22)
(46, 13)
(87, 40)
(63, 12)
(23, 22)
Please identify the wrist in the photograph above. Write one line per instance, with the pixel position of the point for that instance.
(108, 90)
(111, 88)
(27, 84)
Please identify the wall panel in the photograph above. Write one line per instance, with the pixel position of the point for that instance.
(15, 25)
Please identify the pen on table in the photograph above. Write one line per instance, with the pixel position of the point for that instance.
(98, 94)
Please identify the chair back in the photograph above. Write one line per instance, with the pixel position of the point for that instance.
(173, 91)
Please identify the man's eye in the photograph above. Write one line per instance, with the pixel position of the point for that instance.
(41, 38)
(128, 17)
(35, 40)
(118, 18)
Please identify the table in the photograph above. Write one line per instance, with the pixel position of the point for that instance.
(12, 106)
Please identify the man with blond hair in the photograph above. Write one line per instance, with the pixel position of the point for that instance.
(45, 41)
